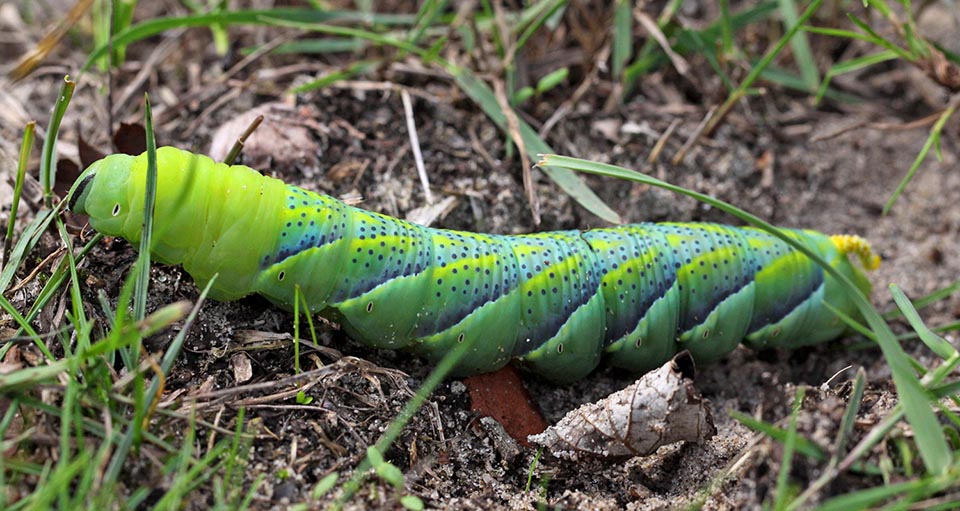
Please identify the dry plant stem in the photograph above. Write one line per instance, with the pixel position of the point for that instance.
(941, 70)
(34, 57)
(148, 67)
(567, 106)
(36, 270)
(221, 100)
(513, 127)
(211, 440)
(205, 91)
(697, 133)
(931, 60)
(238, 145)
(278, 396)
(734, 468)
(254, 387)
(882, 126)
(128, 378)
(662, 142)
(478, 146)
(679, 63)
(259, 52)
(158, 371)
(415, 144)
(369, 85)
(276, 74)
(314, 377)
(506, 39)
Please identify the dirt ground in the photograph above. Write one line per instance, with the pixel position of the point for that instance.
(776, 156)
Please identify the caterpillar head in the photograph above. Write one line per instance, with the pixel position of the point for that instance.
(103, 192)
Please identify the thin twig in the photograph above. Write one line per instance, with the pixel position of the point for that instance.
(678, 158)
(148, 67)
(221, 100)
(415, 144)
(582, 89)
(679, 63)
(662, 141)
(513, 128)
(238, 145)
(883, 126)
(36, 270)
(478, 147)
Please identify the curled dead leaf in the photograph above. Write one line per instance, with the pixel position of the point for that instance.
(660, 408)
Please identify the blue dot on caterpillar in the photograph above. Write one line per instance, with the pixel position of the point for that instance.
(558, 302)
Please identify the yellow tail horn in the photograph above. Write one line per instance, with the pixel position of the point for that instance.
(849, 243)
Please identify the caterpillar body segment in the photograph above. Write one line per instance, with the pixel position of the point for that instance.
(557, 301)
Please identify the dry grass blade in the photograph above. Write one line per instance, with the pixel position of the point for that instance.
(33, 58)
(415, 144)
(513, 128)
(695, 136)
(882, 126)
(679, 63)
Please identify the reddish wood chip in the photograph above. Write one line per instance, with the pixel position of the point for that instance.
(501, 395)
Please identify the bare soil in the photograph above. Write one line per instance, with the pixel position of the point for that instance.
(349, 139)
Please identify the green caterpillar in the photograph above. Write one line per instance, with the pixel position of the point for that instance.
(557, 301)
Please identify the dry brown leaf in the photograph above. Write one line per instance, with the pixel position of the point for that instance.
(660, 408)
(289, 138)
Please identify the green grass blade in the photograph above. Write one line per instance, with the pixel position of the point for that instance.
(572, 184)
(932, 140)
(24, 159)
(545, 10)
(481, 94)
(760, 66)
(28, 240)
(726, 28)
(936, 296)
(297, 296)
(426, 16)
(789, 446)
(159, 25)
(48, 158)
(937, 344)
(802, 446)
(864, 499)
(849, 416)
(79, 316)
(122, 17)
(315, 46)
(850, 66)
(853, 324)
(442, 369)
(56, 279)
(793, 81)
(800, 46)
(57, 483)
(702, 42)
(622, 36)
(353, 69)
(876, 39)
(146, 238)
(142, 270)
